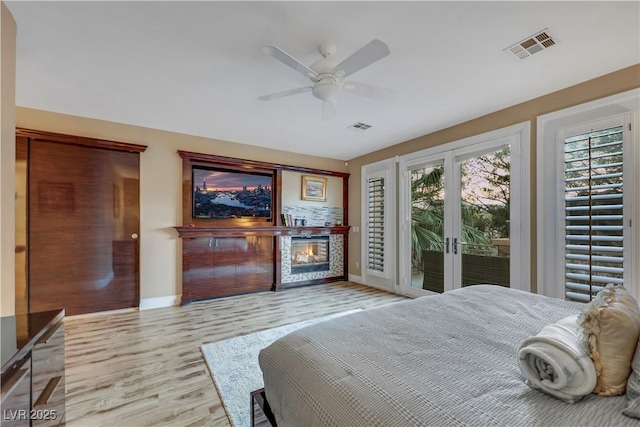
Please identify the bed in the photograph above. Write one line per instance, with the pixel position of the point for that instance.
(445, 360)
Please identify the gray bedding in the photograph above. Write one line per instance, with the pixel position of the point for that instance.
(446, 360)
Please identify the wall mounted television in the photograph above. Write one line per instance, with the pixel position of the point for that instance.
(220, 193)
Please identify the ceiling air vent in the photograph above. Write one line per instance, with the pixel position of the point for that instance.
(533, 44)
(360, 127)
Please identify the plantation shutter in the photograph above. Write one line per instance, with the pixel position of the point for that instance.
(376, 223)
(594, 220)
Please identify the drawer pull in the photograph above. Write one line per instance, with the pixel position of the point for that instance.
(48, 391)
(49, 334)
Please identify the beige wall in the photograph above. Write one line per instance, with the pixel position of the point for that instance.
(292, 191)
(160, 184)
(619, 81)
(7, 160)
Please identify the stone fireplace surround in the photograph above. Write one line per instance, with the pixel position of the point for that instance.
(336, 260)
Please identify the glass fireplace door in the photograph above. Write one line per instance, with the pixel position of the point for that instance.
(309, 254)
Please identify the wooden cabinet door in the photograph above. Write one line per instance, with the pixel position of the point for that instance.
(246, 257)
(224, 266)
(255, 264)
(198, 268)
(264, 264)
(210, 268)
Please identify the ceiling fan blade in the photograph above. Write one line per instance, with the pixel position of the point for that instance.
(369, 91)
(367, 55)
(271, 96)
(289, 61)
(328, 109)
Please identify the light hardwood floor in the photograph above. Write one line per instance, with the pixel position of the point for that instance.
(145, 368)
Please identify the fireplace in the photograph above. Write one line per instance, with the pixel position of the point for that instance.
(309, 254)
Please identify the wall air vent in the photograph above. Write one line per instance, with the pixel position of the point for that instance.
(533, 44)
(360, 127)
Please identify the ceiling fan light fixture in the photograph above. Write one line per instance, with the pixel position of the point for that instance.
(326, 91)
(327, 75)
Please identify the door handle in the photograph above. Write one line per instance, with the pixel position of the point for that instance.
(446, 245)
(134, 236)
(455, 245)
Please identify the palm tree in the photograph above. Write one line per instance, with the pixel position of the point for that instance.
(427, 216)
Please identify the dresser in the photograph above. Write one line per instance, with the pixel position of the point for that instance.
(33, 376)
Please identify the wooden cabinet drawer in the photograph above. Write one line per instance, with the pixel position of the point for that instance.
(16, 397)
(48, 377)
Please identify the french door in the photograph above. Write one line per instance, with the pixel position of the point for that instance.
(462, 214)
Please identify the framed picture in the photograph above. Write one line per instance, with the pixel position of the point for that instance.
(314, 188)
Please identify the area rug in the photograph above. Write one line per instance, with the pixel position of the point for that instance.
(233, 364)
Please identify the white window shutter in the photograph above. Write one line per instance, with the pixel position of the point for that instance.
(376, 224)
(594, 212)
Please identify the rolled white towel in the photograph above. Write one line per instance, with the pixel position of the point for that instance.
(557, 361)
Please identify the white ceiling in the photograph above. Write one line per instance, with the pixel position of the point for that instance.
(197, 68)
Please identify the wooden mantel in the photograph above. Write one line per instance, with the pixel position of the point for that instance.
(200, 231)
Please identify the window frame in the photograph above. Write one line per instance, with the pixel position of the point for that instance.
(624, 107)
(387, 278)
(585, 128)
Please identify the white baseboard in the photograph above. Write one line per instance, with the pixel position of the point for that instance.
(159, 302)
(101, 313)
(356, 279)
(360, 281)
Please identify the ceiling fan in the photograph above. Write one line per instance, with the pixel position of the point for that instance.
(327, 75)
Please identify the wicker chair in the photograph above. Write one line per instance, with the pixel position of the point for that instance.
(476, 269)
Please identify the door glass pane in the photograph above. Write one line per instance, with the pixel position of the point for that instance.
(427, 227)
(484, 234)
